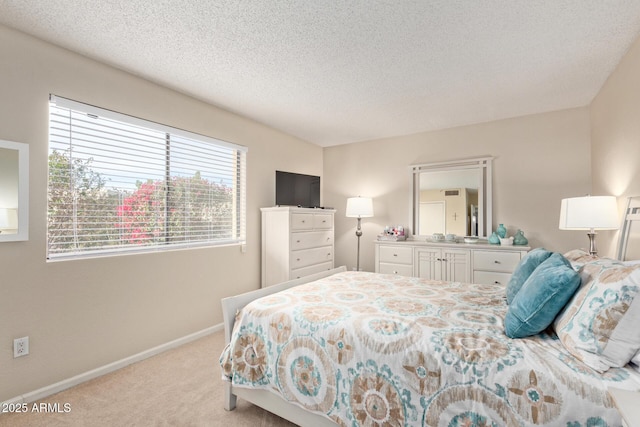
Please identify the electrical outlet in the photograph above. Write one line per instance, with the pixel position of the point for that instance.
(20, 347)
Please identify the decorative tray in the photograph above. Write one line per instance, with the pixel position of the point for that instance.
(391, 238)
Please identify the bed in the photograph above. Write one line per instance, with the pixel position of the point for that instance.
(356, 348)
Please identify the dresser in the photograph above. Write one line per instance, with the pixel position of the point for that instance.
(460, 262)
(296, 242)
(435, 263)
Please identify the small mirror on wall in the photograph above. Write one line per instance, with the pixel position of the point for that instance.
(14, 191)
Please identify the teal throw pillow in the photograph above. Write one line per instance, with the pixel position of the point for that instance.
(542, 296)
(523, 270)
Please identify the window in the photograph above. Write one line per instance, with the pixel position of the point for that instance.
(118, 183)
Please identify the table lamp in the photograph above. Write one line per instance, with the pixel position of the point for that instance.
(589, 213)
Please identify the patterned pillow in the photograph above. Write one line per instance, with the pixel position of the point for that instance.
(579, 257)
(523, 270)
(636, 358)
(600, 324)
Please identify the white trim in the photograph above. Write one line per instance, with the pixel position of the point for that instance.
(456, 164)
(46, 391)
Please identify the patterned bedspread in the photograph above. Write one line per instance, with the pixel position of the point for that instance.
(370, 349)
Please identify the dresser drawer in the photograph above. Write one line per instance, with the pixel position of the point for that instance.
(301, 221)
(495, 261)
(396, 254)
(307, 257)
(312, 269)
(491, 277)
(322, 221)
(311, 239)
(399, 269)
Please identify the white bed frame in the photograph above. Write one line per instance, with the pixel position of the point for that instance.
(627, 231)
(264, 398)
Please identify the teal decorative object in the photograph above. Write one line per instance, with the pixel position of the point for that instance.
(502, 231)
(494, 239)
(524, 269)
(519, 239)
(542, 296)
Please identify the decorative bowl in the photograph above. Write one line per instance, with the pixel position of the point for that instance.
(506, 241)
(470, 239)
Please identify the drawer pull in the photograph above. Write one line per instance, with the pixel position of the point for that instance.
(395, 254)
(297, 259)
(395, 272)
(495, 282)
(303, 221)
(496, 262)
(297, 241)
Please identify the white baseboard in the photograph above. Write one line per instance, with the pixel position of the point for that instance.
(89, 375)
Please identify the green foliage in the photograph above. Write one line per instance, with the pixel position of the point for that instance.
(76, 191)
(83, 212)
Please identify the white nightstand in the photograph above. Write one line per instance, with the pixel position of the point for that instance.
(628, 405)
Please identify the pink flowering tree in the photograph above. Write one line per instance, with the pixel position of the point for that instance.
(191, 209)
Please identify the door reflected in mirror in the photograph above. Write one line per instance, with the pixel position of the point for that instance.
(14, 196)
(452, 198)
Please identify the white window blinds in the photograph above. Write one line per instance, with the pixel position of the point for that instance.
(118, 183)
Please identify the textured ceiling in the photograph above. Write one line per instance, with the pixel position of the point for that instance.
(339, 71)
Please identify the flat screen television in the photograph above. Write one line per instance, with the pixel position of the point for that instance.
(295, 189)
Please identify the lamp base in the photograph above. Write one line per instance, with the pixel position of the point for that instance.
(592, 243)
(359, 234)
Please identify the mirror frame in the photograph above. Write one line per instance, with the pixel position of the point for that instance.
(485, 201)
(23, 191)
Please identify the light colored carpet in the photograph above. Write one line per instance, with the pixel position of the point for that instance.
(180, 387)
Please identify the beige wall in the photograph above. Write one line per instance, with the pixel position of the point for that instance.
(539, 160)
(81, 315)
(615, 138)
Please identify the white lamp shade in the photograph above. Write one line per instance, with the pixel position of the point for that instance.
(8, 219)
(359, 207)
(589, 212)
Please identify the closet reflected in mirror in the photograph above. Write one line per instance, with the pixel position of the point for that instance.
(14, 191)
(452, 197)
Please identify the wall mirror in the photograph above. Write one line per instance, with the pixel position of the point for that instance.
(14, 191)
(452, 198)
